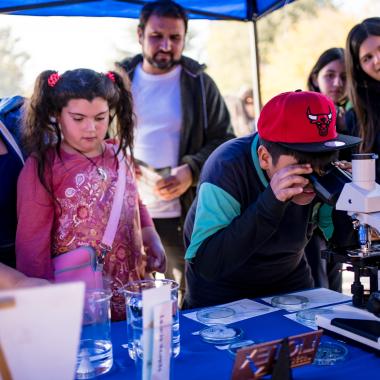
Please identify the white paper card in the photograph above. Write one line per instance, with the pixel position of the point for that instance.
(162, 337)
(243, 309)
(349, 311)
(148, 177)
(39, 336)
(318, 297)
(150, 299)
(146, 183)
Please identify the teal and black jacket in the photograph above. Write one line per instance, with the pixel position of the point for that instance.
(241, 241)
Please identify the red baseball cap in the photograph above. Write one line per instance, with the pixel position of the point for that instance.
(303, 121)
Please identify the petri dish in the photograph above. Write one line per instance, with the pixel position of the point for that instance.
(290, 302)
(308, 316)
(330, 353)
(214, 315)
(220, 334)
(233, 348)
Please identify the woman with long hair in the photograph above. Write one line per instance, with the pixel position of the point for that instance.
(328, 76)
(363, 85)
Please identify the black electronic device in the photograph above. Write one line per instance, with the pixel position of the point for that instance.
(163, 172)
(329, 185)
(373, 304)
(366, 328)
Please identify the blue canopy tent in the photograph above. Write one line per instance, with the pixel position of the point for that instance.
(242, 10)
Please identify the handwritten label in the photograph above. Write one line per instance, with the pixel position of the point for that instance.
(162, 340)
(151, 298)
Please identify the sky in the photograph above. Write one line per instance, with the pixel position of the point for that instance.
(360, 7)
(61, 43)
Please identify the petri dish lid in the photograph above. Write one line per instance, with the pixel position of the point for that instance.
(214, 315)
(233, 348)
(308, 316)
(220, 334)
(330, 353)
(290, 302)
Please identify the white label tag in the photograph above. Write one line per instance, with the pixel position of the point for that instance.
(150, 299)
(162, 341)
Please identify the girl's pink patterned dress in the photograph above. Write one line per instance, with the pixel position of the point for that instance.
(84, 193)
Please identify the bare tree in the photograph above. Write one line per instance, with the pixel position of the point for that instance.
(11, 64)
(229, 47)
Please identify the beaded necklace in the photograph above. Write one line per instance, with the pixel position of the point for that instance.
(101, 172)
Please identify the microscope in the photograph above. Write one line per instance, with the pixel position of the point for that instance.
(359, 195)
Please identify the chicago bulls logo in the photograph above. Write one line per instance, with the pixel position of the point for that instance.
(322, 120)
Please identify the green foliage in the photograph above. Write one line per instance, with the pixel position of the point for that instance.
(276, 23)
(290, 40)
(293, 54)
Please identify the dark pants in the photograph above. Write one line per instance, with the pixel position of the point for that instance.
(8, 256)
(325, 274)
(170, 231)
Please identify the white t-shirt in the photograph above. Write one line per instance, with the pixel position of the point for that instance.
(158, 110)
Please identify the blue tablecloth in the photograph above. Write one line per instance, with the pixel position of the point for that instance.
(202, 361)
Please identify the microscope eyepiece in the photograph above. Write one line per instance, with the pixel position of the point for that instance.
(329, 185)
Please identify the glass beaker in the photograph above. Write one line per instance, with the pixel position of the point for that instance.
(95, 352)
(133, 298)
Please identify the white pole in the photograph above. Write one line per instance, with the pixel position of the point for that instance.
(255, 57)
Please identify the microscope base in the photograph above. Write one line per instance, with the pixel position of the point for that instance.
(361, 327)
(361, 266)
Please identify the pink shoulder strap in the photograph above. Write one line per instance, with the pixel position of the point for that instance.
(117, 204)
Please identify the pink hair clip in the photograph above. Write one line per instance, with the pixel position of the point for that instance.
(53, 79)
(111, 76)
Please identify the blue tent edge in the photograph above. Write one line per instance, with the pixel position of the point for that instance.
(216, 9)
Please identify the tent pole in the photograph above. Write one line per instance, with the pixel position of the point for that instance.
(255, 57)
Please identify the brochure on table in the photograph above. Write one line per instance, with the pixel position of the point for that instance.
(243, 309)
(318, 297)
(39, 331)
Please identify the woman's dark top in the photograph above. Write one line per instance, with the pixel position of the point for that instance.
(10, 167)
(353, 129)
